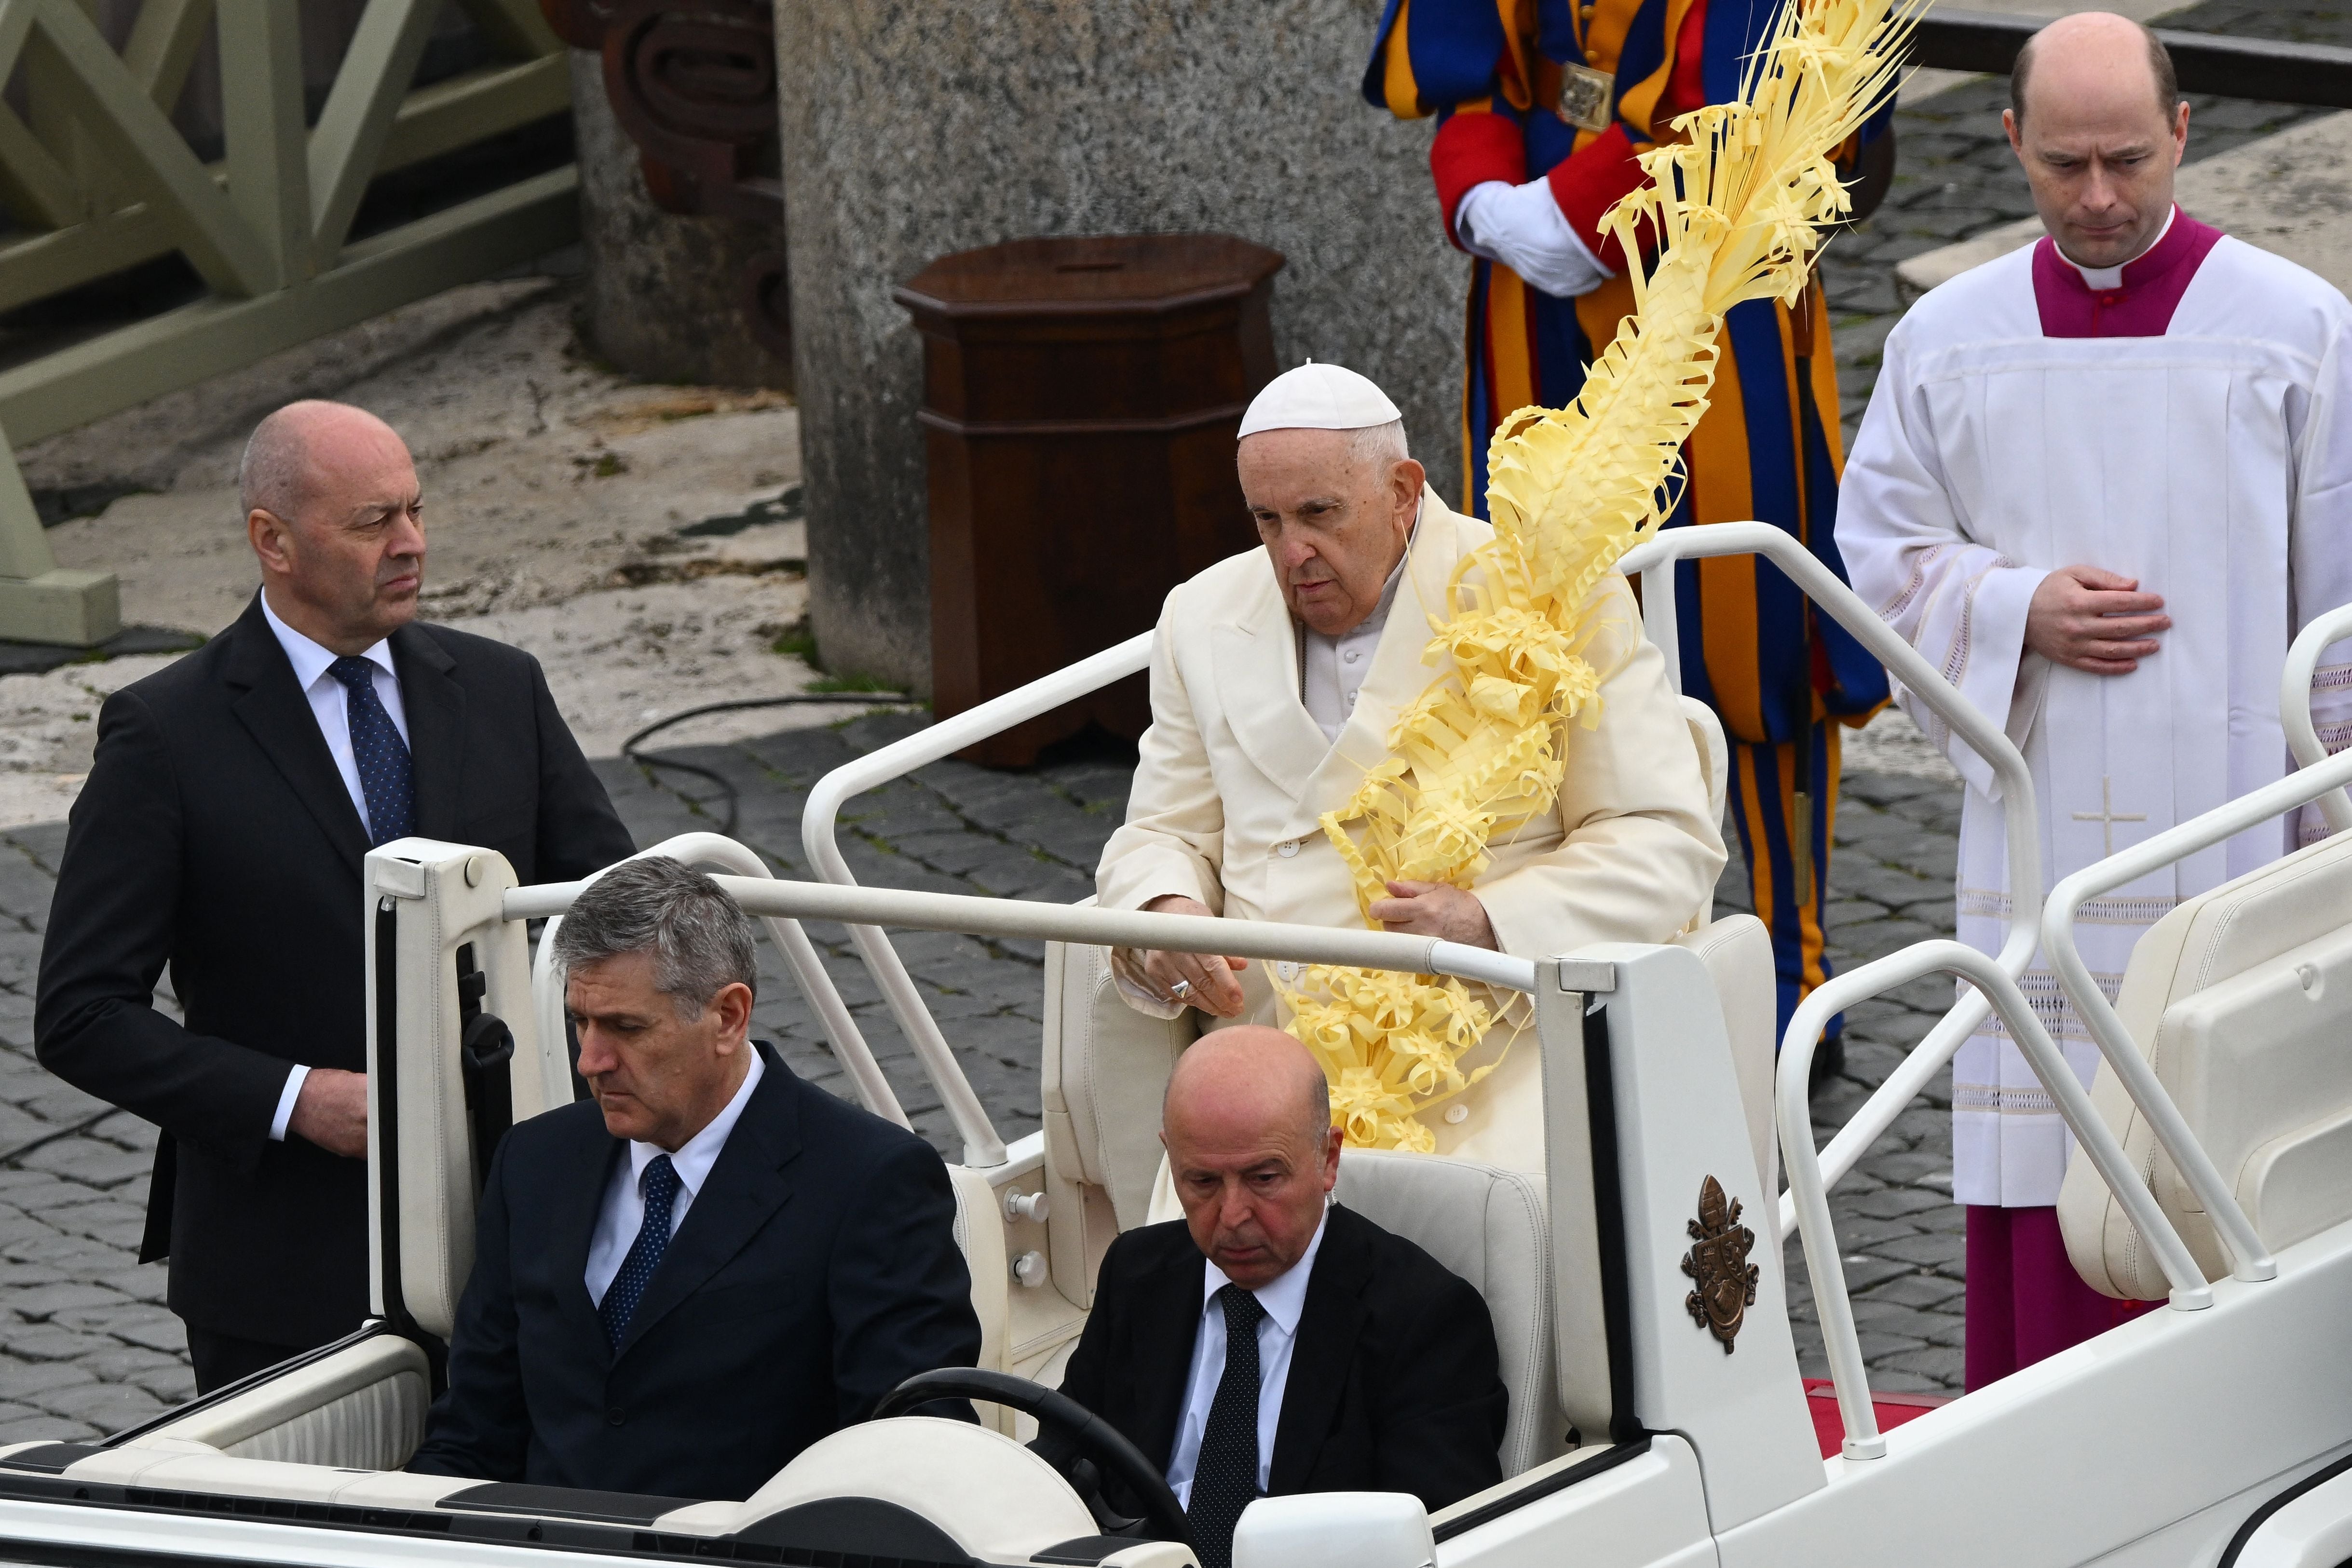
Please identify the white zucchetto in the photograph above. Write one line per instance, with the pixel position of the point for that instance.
(1320, 397)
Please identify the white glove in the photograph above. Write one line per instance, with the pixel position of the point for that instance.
(1522, 227)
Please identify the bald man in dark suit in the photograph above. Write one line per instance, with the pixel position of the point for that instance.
(233, 799)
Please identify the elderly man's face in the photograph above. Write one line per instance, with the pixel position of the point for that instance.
(352, 559)
(2098, 147)
(657, 1077)
(1335, 526)
(1251, 1157)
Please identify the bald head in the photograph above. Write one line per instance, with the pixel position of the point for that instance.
(334, 513)
(2120, 52)
(2097, 122)
(1251, 1148)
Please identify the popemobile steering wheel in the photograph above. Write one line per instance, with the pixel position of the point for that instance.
(1049, 1408)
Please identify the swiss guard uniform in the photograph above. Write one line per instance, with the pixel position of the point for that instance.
(1568, 93)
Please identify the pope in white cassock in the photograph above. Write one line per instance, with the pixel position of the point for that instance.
(2101, 483)
(1277, 677)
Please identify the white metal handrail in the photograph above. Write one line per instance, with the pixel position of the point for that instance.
(2250, 1259)
(1654, 560)
(2295, 705)
(1024, 918)
(982, 1146)
(710, 852)
(1810, 1193)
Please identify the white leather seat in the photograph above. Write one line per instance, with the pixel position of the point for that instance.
(362, 1407)
(1487, 1226)
(1737, 953)
(1103, 1070)
(2242, 1000)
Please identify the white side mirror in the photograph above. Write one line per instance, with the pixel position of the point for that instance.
(1335, 1530)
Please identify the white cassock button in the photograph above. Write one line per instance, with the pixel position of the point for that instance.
(1287, 970)
(1286, 849)
(1351, 655)
(1457, 1113)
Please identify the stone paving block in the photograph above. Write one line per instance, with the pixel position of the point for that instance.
(1939, 1364)
(54, 1342)
(36, 1427)
(90, 1160)
(109, 1406)
(1917, 1291)
(39, 1303)
(33, 1382)
(1927, 1251)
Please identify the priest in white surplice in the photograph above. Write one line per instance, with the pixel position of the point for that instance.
(2101, 483)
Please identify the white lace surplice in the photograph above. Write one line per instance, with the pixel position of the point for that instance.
(2214, 464)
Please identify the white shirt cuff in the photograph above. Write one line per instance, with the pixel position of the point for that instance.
(286, 1098)
(1522, 227)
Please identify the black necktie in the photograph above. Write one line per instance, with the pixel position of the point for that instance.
(383, 756)
(1224, 1481)
(628, 1286)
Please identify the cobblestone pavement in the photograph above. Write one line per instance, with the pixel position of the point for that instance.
(87, 1347)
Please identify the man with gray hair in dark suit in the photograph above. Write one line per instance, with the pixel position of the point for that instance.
(679, 1287)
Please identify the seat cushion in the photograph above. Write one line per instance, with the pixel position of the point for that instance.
(1487, 1226)
(1737, 953)
(2241, 1000)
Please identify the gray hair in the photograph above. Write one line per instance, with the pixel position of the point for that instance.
(1379, 444)
(700, 939)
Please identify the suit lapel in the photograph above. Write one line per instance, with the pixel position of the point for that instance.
(1168, 1320)
(580, 1197)
(278, 716)
(1329, 1323)
(1255, 655)
(1399, 672)
(435, 705)
(746, 1186)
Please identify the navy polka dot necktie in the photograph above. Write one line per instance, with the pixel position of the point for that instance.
(1224, 1481)
(628, 1287)
(383, 756)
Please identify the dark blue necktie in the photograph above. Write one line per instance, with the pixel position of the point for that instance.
(383, 756)
(628, 1287)
(1224, 1479)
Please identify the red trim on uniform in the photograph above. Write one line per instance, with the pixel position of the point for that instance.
(1591, 180)
(1687, 88)
(1469, 150)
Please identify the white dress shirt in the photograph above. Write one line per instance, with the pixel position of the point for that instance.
(330, 705)
(1522, 227)
(1278, 1337)
(622, 1213)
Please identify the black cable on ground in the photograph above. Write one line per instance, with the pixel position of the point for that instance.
(725, 789)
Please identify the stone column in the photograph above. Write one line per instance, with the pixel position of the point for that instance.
(913, 131)
(665, 291)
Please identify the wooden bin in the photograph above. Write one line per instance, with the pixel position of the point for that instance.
(1080, 400)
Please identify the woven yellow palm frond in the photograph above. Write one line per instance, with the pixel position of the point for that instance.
(1736, 210)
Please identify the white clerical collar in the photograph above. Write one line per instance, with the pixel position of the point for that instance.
(310, 660)
(2103, 278)
(1284, 1298)
(694, 1158)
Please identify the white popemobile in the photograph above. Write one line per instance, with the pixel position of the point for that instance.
(1629, 1250)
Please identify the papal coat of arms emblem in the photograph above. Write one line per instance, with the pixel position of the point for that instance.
(1717, 1262)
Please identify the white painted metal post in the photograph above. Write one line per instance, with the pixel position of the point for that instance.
(2295, 705)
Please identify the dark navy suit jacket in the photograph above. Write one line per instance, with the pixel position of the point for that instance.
(815, 1271)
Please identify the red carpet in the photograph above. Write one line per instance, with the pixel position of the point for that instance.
(1893, 1410)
